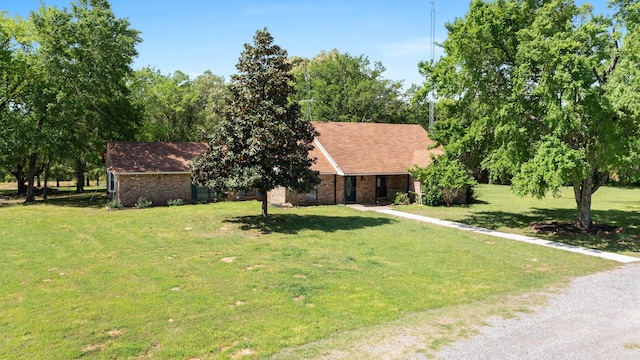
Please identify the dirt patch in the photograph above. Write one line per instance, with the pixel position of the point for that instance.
(94, 348)
(116, 333)
(561, 228)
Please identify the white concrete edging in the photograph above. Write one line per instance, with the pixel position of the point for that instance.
(531, 240)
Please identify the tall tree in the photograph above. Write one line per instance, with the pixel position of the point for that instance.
(263, 142)
(15, 78)
(80, 60)
(551, 87)
(347, 88)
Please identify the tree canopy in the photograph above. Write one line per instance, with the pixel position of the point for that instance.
(66, 93)
(262, 142)
(547, 91)
(347, 88)
(175, 107)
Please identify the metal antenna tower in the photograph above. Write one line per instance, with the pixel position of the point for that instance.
(432, 48)
(307, 78)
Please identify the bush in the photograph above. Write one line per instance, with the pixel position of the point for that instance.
(444, 182)
(400, 198)
(143, 203)
(114, 204)
(175, 202)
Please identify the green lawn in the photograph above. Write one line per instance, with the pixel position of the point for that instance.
(499, 209)
(207, 281)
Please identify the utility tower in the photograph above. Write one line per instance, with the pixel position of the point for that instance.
(432, 48)
(307, 78)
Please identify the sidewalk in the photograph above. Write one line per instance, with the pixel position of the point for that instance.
(531, 240)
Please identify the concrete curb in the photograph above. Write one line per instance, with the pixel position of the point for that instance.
(531, 240)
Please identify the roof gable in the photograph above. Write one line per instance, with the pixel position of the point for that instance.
(373, 148)
(152, 157)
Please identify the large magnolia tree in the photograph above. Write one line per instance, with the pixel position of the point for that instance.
(262, 142)
(550, 93)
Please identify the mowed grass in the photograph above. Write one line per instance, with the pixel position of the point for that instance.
(209, 282)
(498, 208)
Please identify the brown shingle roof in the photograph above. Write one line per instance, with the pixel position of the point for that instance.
(372, 148)
(154, 157)
(341, 148)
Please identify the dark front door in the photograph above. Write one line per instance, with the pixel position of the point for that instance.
(350, 189)
(381, 186)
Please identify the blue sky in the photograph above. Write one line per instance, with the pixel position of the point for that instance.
(197, 35)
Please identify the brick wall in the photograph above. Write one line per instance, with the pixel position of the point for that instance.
(277, 195)
(158, 188)
(325, 194)
(328, 193)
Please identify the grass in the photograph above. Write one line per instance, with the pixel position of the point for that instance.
(499, 209)
(209, 281)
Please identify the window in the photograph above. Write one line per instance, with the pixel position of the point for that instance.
(203, 193)
(313, 194)
(111, 182)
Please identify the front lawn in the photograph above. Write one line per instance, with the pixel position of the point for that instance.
(207, 281)
(498, 208)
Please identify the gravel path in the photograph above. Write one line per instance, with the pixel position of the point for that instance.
(597, 317)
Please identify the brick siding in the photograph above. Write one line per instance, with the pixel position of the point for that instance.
(157, 188)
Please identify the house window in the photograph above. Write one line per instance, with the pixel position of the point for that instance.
(111, 182)
(202, 193)
(313, 194)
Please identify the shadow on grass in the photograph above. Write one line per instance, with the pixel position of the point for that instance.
(626, 240)
(68, 198)
(294, 223)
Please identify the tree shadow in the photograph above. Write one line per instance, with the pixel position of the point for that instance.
(89, 199)
(628, 239)
(292, 224)
(66, 198)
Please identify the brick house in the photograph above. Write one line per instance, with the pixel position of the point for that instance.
(363, 163)
(357, 162)
(157, 171)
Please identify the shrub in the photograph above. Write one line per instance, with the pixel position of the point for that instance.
(400, 198)
(114, 204)
(175, 202)
(143, 203)
(444, 182)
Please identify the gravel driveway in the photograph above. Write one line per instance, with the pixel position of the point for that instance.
(597, 317)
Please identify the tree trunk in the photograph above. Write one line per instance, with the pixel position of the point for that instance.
(265, 207)
(80, 167)
(30, 198)
(21, 179)
(46, 180)
(583, 192)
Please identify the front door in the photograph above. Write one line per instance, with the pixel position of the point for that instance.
(350, 189)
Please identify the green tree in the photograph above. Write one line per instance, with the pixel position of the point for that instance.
(444, 182)
(78, 99)
(552, 89)
(347, 88)
(15, 78)
(175, 107)
(263, 142)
